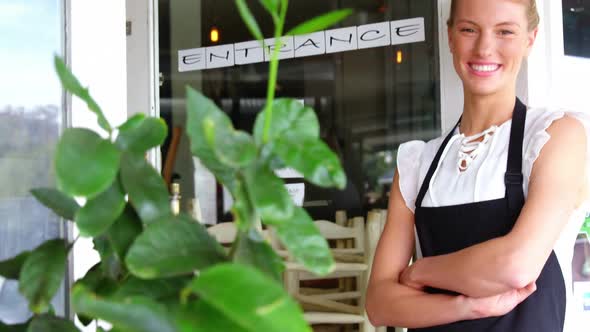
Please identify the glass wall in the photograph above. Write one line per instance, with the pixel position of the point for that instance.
(576, 27)
(368, 100)
(31, 117)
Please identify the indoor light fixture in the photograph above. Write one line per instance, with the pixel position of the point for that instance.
(214, 34)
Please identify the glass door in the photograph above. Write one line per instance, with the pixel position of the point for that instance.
(371, 88)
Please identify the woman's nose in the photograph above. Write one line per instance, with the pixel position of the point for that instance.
(485, 45)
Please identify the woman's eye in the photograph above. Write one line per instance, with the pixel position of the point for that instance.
(506, 32)
(468, 30)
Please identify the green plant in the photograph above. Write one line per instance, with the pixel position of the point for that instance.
(159, 272)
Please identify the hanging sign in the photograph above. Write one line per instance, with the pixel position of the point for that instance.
(324, 42)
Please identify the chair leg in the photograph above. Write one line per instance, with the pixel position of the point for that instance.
(366, 327)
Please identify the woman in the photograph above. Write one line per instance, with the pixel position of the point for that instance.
(496, 202)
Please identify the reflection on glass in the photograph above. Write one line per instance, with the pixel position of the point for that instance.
(30, 122)
(576, 27)
(581, 271)
(368, 101)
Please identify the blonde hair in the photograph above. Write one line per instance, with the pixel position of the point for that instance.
(532, 14)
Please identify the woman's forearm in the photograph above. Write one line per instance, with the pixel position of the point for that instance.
(392, 304)
(483, 270)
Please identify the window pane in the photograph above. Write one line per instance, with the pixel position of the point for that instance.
(576, 27)
(368, 100)
(30, 123)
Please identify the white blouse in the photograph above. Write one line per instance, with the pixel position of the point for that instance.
(471, 169)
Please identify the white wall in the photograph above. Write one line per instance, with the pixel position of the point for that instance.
(98, 51)
(140, 58)
(98, 59)
(570, 76)
(451, 90)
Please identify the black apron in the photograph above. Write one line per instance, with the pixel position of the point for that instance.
(443, 230)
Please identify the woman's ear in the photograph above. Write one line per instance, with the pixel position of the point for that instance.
(531, 38)
(450, 38)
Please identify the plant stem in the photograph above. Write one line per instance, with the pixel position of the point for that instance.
(274, 68)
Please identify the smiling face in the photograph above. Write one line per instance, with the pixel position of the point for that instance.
(488, 40)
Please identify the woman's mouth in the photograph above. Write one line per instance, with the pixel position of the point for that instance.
(487, 69)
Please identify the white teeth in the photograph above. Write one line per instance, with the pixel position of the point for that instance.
(484, 68)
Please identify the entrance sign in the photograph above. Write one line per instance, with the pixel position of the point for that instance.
(330, 41)
(374, 35)
(341, 40)
(247, 52)
(286, 50)
(312, 44)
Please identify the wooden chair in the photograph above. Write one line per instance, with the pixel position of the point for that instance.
(381, 215)
(343, 304)
(225, 233)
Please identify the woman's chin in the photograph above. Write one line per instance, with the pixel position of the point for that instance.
(481, 89)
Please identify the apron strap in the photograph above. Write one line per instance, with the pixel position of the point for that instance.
(513, 179)
(433, 166)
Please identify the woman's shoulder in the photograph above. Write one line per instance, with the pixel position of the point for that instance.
(542, 124)
(568, 131)
(420, 150)
(540, 119)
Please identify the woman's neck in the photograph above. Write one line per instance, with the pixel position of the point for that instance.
(482, 112)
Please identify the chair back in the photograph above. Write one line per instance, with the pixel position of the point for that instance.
(225, 233)
(334, 233)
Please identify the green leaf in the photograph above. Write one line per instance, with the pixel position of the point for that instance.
(313, 158)
(48, 323)
(99, 283)
(134, 314)
(146, 188)
(289, 117)
(233, 148)
(95, 281)
(244, 213)
(60, 203)
(14, 328)
(272, 6)
(173, 246)
(320, 23)
(42, 274)
(85, 164)
(198, 316)
(253, 250)
(304, 241)
(249, 19)
(140, 134)
(110, 264)
(10, 268)
(199, 109)
(156, 289)
(71, 84)
(100, 212)
(252, 301)
(124, 231)
(268, 193)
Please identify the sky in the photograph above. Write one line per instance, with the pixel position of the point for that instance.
(30, 34)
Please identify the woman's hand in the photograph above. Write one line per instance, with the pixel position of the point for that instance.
(406, 279)
(501, 304)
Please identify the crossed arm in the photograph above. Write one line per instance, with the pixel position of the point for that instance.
(493, 276)
(556, 186)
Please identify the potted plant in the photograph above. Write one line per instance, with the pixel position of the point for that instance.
(162, 272)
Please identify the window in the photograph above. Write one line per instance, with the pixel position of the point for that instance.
(31, 116)
(576, 27)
